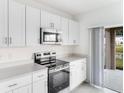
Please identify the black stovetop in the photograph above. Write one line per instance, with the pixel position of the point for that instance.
(53, 64)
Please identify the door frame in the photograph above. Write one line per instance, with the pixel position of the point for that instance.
(107, 26)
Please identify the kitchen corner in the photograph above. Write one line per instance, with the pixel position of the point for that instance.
(12, 76)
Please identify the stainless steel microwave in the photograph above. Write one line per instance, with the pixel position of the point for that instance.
(50, 36)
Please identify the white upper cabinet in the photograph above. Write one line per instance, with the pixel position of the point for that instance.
(20, 25)
(53, 21)
(57, 21)
(73, 32)
(76, 33)
(65, 31)
(3, 24)
(32, 26)
(43, 18)
(16, 24)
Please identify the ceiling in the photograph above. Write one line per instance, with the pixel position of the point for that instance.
(74, 7)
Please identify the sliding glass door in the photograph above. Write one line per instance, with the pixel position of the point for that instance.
(113, 68)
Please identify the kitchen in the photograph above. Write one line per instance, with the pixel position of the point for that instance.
(40, 48)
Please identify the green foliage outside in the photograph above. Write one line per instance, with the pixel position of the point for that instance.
(119, 48)
(119, 62)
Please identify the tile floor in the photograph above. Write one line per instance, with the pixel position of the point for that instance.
(113, 79)
(86, 88)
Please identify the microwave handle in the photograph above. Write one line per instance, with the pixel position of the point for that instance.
(41, 36)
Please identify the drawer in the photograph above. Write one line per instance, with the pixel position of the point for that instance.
(42, 74)
(16, 82)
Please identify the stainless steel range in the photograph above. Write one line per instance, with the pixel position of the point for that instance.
(59, 74)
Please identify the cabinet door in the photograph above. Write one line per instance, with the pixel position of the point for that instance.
(50, 20)
(81, 71)
(25, 89)
(53, 21)
(57, 21)
(73, 32)
(5, 92)
(73, 75)
(3, 23)
(16, 23)
(76, 33)
(77, 73)
(32, 26)
(44, 18)
(40, 86)
(64, 29)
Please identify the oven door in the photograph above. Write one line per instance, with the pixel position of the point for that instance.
(58, 80)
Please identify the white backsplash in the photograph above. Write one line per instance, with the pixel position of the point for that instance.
(9, 55)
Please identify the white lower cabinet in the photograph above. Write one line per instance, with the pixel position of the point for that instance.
(35, 82)
(40, 82)
(40, 86)
(25, 89)
(9, 92)
(77, 73)
(20, 84)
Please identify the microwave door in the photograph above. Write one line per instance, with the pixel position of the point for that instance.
(49, 38)
(58, 38)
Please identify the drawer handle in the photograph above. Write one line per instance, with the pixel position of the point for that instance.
(40, 76)
(12, 85)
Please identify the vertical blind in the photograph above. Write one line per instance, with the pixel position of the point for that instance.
(97, 55)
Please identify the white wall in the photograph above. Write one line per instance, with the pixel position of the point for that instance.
(9, 55)
(106, 16)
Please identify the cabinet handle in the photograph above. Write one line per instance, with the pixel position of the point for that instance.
(10, 40)
(6, 40)
(40, 76)
(52, 25)
(12, 85)
(74, 41)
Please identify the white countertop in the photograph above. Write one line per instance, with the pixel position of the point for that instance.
(72, 58)
(17, 70)
(11, 72)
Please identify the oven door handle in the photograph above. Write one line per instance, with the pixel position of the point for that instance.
(57, 70)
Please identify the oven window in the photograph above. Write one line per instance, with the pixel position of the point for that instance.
(59, 78)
